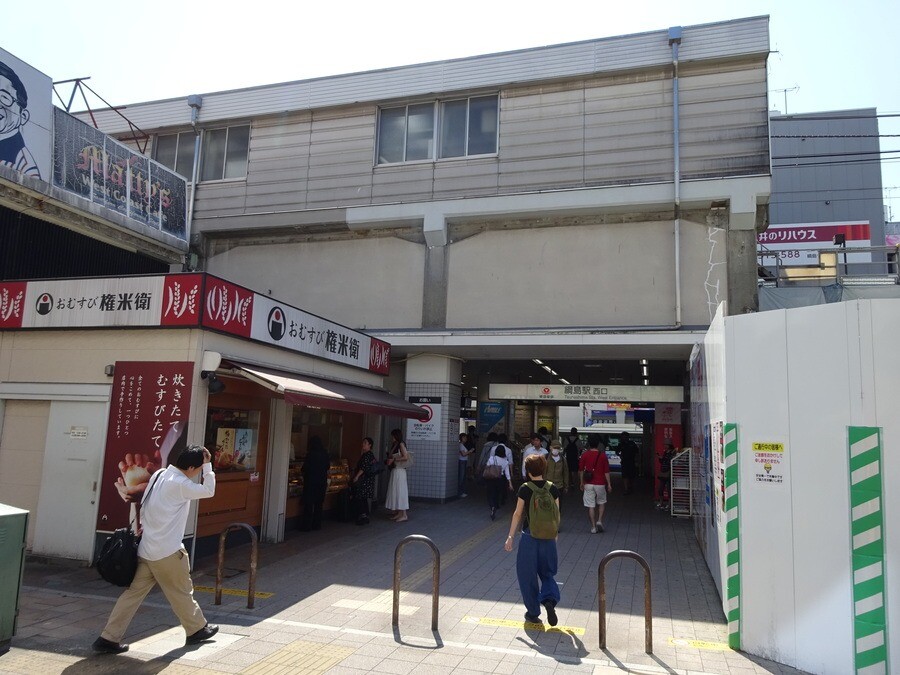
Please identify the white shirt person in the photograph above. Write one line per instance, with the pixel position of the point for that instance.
(162, 558)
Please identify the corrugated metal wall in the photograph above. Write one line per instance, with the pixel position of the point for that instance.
(33, 249)
(581, 133)
(718, 40)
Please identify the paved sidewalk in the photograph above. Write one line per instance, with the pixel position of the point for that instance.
(330, 608)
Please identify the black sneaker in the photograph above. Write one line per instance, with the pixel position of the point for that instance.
(104, 646)
(202, 635)
(550, 607)
(530, 618)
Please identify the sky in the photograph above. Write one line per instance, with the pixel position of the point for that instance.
(829, 54)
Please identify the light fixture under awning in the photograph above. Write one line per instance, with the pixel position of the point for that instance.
(320, 393)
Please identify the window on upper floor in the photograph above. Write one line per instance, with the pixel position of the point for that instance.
(443, 129)
(223, 152)
(176, 151)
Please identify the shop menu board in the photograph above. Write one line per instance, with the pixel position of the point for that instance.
(148, 415)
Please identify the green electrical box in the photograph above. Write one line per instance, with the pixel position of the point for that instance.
(13, 525)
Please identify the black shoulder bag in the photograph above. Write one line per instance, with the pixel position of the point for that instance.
(118, 559)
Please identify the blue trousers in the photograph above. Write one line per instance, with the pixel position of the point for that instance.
(537, 560)
(461, 486)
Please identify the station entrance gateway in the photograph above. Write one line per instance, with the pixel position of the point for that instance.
(600, 398)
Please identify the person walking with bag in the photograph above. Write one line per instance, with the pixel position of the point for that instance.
(397, 499)
(162, 558)
(537, 510)
(497, 477)
(557, 469)
(595, 482)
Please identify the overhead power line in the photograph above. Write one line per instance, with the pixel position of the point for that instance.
(835, 136)
(809, 117)
(855, 153)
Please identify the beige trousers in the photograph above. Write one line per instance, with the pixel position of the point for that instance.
(173, 574)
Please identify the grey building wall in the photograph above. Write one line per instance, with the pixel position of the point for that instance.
(826, 168)
(604, 130)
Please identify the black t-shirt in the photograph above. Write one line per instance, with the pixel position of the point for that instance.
(525, 493)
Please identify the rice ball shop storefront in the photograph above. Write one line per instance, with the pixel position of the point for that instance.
(104, 380)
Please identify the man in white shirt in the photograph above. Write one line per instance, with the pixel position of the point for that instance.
(162, 559)
(536, 448)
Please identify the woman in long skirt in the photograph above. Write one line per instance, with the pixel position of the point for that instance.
(397, 499)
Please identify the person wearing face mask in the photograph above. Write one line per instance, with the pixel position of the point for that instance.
(557, 471)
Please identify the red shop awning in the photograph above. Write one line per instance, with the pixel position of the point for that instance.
(320, 393)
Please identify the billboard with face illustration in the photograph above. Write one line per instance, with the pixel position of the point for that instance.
(25, 118)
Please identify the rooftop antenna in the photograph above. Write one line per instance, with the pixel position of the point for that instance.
(796, 87)
(139, 137)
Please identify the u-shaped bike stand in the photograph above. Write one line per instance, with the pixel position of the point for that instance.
(436, 578)
(254, 554)
(648, 613)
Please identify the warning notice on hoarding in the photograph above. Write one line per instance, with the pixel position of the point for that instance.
(768, 463)
(428, 429)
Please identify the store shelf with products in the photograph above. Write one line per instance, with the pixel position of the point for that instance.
(338, 480)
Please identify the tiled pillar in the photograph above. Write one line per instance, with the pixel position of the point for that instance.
(434, 474)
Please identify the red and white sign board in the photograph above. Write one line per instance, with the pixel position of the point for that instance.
(428, 429)
(186, 300)
(171, 300)
(239, 311)
(793, 242)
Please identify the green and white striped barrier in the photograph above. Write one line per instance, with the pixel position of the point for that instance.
(867, 542)
(732, 538)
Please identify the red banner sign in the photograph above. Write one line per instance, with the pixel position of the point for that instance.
(148, 417)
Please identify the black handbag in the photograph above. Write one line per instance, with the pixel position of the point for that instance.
(589, 475)
(118, 558)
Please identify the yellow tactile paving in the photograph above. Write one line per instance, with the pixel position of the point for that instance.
(300, 657)
(700, 644)
(510, 623)
(263, 595)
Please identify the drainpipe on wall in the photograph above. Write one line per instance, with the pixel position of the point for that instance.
(674, 43)
(195, 101)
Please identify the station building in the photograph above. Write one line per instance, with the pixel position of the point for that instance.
(532, 231)
(585, 205)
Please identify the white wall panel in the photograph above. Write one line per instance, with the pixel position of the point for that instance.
(818, 367)
(802, 376)
(758, 402)
(885, 326)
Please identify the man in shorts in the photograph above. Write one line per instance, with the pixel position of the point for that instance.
(593, 469)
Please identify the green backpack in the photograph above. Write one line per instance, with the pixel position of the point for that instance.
(543, 512)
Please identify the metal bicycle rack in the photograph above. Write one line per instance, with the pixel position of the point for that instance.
(254, 555)
(436, 578)
(648, 614)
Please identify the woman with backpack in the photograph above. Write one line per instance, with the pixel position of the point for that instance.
(537, 509)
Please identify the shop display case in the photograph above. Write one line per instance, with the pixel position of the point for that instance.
(338, 477)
